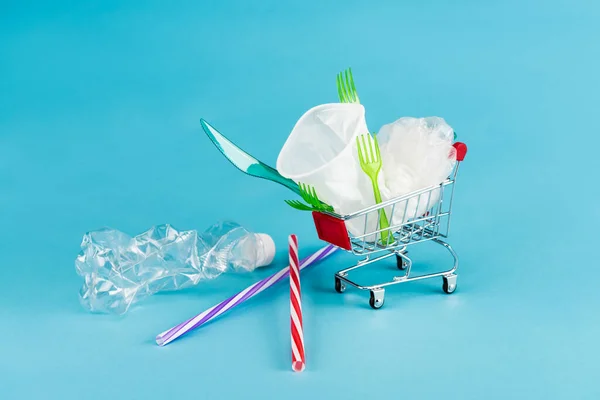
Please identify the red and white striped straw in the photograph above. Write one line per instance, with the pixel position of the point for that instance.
(298, 359)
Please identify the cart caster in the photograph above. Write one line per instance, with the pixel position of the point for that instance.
(401, 262)
(449, 285)
(340, 286)
(377, 298)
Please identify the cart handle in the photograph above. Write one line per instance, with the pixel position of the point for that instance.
(461, 150)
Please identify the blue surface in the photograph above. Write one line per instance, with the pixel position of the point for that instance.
(99, 126)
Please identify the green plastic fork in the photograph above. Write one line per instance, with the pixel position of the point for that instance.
(345, 86)
(370, 162)
(298, 205)
(309, 194)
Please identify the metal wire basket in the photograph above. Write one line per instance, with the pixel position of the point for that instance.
(430, 221)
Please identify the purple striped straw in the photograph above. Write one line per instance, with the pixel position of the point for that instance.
(171, 334)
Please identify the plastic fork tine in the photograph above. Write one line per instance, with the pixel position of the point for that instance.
(353, 87)
(377, 150)
(339, 87)
(308, 189)
(313, 195)
(365, 149)
(348, 87)
(371, 150)
(303, 206)
(348, 95)
(309, 195)
(360, 154)
(303, 192)
(298, 205)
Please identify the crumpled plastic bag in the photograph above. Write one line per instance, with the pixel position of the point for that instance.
(416, 153)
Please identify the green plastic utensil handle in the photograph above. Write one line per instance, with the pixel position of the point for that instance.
(271, 174)
(244, 161)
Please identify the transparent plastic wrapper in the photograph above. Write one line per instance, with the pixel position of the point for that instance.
(120, 270)
(416, 153)
(321, 151)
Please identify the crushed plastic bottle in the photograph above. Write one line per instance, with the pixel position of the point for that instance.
(120, 270)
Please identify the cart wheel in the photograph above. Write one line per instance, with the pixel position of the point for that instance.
(449, 284)
(376, 301)
(400, 262)
(340, 286)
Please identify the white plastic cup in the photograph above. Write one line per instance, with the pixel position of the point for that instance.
(321, 151)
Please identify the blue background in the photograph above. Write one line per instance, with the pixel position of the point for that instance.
(99, 126)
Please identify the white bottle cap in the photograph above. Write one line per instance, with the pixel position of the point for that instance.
(267, 254)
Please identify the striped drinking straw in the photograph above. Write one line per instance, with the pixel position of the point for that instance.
(298, 357)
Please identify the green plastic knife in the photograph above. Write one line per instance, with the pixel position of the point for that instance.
(244, 161)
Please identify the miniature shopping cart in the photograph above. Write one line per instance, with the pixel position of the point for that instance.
(417, 217)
